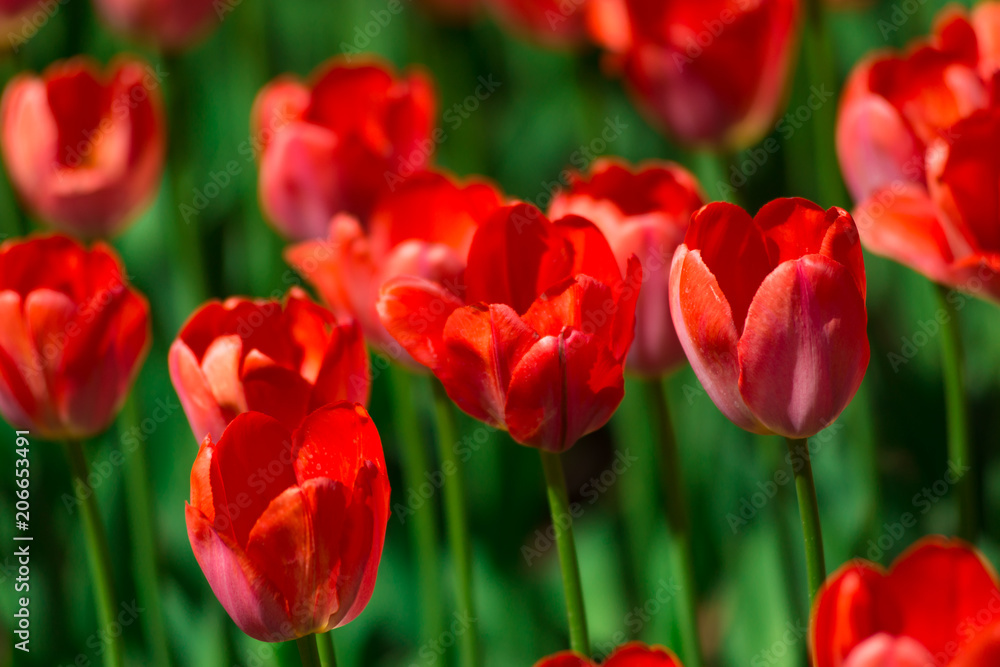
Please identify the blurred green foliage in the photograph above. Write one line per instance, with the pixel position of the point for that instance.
(888, 445)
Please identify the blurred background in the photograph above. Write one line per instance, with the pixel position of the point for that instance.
(878, 463)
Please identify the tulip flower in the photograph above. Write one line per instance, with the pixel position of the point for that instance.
(642, 212)
(424, 228)
(629, 655)
(85, 150)
(72, 339)
(914, 136)
(323, 155)
(552, 23)
(170, 25)
(710, 73)
(288, 525)
(256, 355)
(939, 604)
(534, 340)
(771, 313)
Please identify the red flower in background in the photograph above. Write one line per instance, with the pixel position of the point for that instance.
(642, 211)
(288, 526)
(917, 136)
(285, 362)
(167, 24)
(712, 72)
(424, 228)
(85, 150)
(535, 339)
(555, 23)
(335, 145)
(73, 336)
(771, 313)
(939, 604)
(628, 655)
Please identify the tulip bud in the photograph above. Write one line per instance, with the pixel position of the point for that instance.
(633, 654)
(165, 24)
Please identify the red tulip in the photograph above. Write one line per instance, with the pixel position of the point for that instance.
(84, 150)
(555, 23)
(335, 145)
(915, 137)
(534, 339)
(642, 212)
(422, 228)
(939, 604)
(771, 313)
(243, 355)
(73, 336)
(288, 526)
(629, 655)
(712, 72)
(166, 24)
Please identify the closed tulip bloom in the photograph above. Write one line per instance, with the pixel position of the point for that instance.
(73, 335)
(336, 144)
(288, 525)
(629, 655)
(711, 73)
(771, 313)
(938, 605)
(642, 211)
(282, 360)
(423, 227)
(915, 137)
(554, 23)
(85, 149)
(167, 24)
(535, 338)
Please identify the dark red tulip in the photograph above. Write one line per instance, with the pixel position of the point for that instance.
(84, 149)
(711, 72)
(336, 144)
(284, 361)
(73, 335)
(915, 137)
(423, 227)
(167, 24)
(771, 313)
(629, 655)
(534, 339)
(642, 211)
(939, 604)
(554, 23)
(288, 525)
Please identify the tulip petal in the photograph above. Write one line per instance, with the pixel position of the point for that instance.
(565, 659)
(635, 654)
(805, 350)
(344, 374)
(592, 255)
(221, 366)
(984, 648)
(334, 442)
(415, 311)
(705, 328)
(883, 650)
(848, 611)
(199, 403)
(275, 391)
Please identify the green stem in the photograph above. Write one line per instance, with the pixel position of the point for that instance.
(308, 651)
(422, 523)
(327, 651)
(960, 453)
(562, 524)
(97, 553)
(142, 524)
(678, 520)
(812, 535)
(457, 522)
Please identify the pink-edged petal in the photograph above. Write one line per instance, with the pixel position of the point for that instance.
(244, 593)
(482, 345)
(199, 403)
(884, 650)
(221, 367)
(706, 331)
(805, 349)
(414, 311)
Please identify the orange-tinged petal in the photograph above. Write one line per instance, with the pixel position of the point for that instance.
(414, 311)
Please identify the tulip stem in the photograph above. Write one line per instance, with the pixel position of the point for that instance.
(98, 554)
(959, 450)
(562, 524)
(327, 650)
(678, 519)
(308, 651)
(812, 535)
(422, 521)
(457, 522)
(142, 524)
